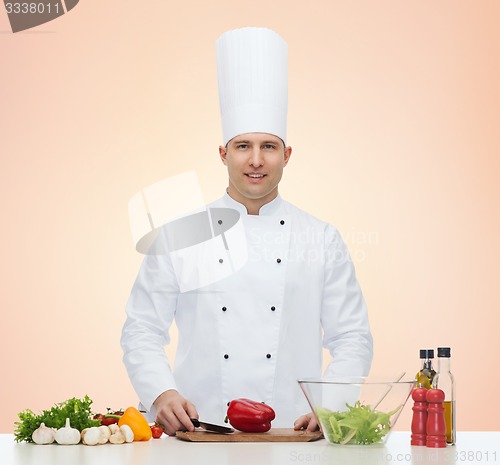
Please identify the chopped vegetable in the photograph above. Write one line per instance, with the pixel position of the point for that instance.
(77, 410)
(360, 424)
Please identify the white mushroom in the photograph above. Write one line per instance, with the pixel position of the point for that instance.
(127, 432)
(114, 428)
(105, 434)
(117, 438)
(91, 436)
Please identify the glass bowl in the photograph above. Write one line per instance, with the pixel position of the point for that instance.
(356, 411)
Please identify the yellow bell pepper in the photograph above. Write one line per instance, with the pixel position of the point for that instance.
(139, 425)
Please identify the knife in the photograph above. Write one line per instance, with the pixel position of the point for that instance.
(211, 427)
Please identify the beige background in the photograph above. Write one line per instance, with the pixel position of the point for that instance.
(393, 117)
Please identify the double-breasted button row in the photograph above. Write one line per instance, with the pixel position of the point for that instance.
(226, 356)
(273, 308)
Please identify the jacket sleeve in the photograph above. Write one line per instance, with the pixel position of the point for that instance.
(344, 317)
(150, 312)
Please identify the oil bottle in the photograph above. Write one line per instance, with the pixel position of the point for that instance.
(445, 381)
(426, 374)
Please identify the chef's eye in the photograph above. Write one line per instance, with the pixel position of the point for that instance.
(242, 146)
(269, 146)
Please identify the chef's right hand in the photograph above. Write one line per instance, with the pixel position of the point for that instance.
(174, 412)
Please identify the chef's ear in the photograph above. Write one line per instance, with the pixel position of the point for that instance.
(223, 154)
(287, 154)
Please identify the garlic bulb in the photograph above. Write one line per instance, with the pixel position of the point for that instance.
(43, 435)
(67, 434)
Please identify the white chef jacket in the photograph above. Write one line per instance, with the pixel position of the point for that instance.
(255, 332)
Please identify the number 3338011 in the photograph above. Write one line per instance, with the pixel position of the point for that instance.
(32, 8)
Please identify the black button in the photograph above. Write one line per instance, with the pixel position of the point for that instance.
(268, 355)
(220, 221)
(279, 260)
(224, 309)
(226, 356)
(273, 308)
(220, 260)
(282, 222)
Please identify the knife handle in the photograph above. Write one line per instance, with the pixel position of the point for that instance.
(195, 422)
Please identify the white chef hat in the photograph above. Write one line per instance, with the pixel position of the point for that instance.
(252, 74)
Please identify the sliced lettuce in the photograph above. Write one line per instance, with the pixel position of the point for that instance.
(359, 424)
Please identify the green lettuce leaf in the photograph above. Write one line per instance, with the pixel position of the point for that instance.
(359, 424)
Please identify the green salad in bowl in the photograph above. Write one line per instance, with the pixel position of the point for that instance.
(356, 411)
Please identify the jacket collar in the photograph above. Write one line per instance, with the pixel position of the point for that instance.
(269, 208)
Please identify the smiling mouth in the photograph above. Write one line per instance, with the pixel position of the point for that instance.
(254, 175)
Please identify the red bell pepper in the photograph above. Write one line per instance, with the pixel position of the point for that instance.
(250, 416)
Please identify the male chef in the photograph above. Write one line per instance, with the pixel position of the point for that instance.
(257, 330)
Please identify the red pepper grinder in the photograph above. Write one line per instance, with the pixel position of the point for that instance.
(436, 426)
(419, 420)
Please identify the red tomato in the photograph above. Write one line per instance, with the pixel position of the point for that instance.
(156, 431)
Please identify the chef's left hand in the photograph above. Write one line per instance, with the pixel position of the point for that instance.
(307, 422)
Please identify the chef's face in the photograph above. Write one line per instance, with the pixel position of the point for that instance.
(255, 163)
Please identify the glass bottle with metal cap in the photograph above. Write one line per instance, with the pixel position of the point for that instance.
(445, 381)
(426, 374)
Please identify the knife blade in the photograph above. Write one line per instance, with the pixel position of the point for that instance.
(211, 427)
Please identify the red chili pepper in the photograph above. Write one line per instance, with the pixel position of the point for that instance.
(108, 418)
(250, 416)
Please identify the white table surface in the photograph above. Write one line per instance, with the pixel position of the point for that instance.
(471, 448)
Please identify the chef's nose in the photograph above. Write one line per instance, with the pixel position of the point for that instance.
(256, 158)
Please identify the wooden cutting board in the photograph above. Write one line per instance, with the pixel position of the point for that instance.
(273, 435)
